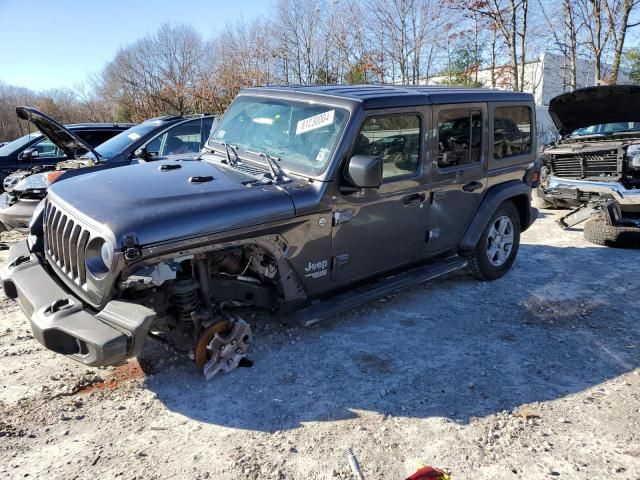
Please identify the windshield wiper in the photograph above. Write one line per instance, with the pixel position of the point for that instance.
(233, 148)
(277, 173)
(226, 151)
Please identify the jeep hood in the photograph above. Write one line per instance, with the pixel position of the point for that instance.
(595, 105)
(64, 139)
(159, 202)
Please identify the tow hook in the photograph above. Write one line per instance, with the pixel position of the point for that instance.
(19, 261)
(58, 305)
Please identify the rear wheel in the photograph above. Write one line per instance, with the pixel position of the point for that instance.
(498, 245)
(624, 235)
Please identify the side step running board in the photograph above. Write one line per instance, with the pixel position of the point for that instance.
(322, 309)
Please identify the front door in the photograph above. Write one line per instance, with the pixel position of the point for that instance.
(380, 229)
(458, 174)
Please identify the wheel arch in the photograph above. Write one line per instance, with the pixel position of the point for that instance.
(516, 191)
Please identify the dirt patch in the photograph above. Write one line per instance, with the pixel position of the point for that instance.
(10, 430)
(556, 312)
(132, 370)
(374, 364)
(535, 375)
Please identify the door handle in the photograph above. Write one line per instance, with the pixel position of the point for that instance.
(470, 187)
(413, 199)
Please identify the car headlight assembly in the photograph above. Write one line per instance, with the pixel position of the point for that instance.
(633, 156)
(36, 181)
(99, 256)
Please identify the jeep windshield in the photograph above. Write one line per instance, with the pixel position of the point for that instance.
(119, 143)
(604, 129)
(301, 136)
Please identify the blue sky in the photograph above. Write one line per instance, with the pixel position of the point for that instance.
(55, 43)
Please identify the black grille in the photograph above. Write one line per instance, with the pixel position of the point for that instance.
(65, 243)
(599, 164)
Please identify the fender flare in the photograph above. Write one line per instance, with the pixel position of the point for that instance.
(490, 202)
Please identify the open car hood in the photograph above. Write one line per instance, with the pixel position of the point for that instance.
(58, 134)
(595, 105)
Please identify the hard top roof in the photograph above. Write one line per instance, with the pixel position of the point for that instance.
(380, 96)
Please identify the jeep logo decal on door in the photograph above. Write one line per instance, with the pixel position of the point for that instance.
(316, 269)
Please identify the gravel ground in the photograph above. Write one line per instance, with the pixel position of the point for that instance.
(535, 375)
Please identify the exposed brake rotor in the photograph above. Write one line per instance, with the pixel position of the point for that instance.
(222, 345)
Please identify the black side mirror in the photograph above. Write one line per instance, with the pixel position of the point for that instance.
(365, 171)
(145, 155)
(141, 153)
(29, 154)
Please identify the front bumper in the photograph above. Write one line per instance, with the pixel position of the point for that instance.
(18, 215)
(61, 323)
(615, 190)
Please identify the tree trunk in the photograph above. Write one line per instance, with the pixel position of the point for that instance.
(573, 45)
(514, 47)
(620, 38)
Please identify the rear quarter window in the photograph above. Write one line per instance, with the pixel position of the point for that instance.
(511, 131)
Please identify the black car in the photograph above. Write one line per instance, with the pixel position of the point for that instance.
(38, 150)
(152, 139)
(307, 201)
(594, 169)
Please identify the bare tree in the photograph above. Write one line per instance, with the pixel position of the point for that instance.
(406, 31)
(156, 74)
(592, 14)
(511, 19)
(619, 19)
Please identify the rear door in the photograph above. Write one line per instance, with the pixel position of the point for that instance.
(458, 173)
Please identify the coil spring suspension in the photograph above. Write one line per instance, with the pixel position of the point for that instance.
(184, 296)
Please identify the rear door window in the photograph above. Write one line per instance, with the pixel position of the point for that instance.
(459, 138)
(511, 132)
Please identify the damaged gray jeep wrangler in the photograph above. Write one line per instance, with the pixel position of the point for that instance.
(308, 201)
(594, 169)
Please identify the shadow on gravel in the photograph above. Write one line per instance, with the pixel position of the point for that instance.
(563, 320)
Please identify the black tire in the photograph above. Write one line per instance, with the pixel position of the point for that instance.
(539, 202)
(625, 235)
(480, 265)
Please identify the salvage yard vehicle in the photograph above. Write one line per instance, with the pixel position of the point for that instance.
(152, 139)
(39, 152)
(595, 167)
(307, 201)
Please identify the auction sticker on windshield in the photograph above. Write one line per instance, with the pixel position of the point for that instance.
(317, 121)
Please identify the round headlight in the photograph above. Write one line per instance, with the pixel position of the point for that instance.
(99, 256)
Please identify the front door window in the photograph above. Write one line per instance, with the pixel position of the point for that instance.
(394, 138)
(47, 149)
